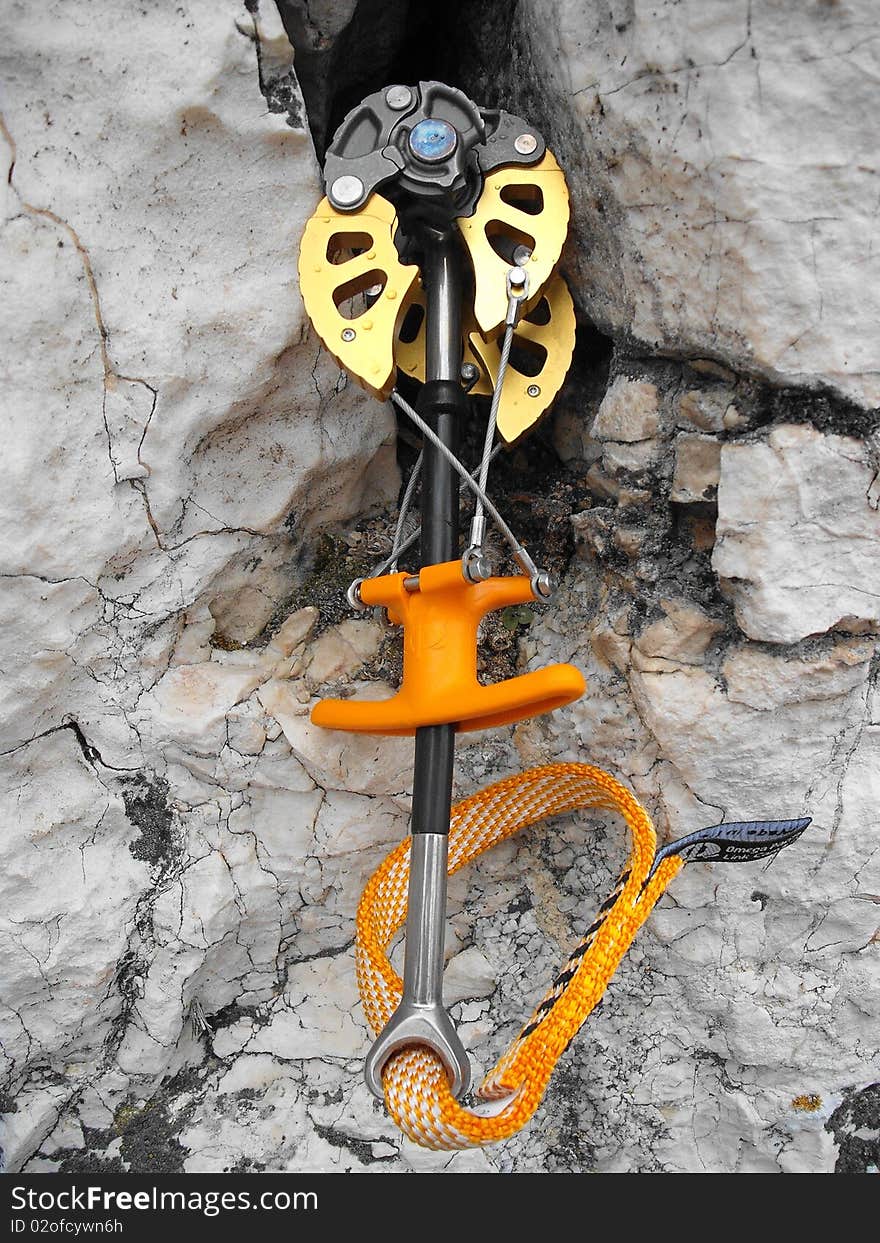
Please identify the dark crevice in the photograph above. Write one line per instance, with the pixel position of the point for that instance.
(855, 1125)
(824, 409)
(337, 68)
(461, 42)
(147, 804)
(148, 1131)
(278, 84)
(768, 403)
(359, 1148)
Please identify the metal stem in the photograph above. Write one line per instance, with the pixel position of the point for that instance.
(442, 276)
(420, 1017)
(426, 913)
(435, 744)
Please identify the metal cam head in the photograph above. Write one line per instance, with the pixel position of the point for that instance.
(346, 191)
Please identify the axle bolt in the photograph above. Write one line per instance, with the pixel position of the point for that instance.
(348, 334)
(346, 191)
(526, 144)
(533, 390)
(398, 97)
(433, 140)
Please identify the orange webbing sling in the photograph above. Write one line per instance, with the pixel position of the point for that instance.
(416, 1085)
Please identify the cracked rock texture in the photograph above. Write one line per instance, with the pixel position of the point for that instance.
(191, 484)
(726, 204)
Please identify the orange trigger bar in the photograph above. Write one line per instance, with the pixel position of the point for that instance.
(440, 687)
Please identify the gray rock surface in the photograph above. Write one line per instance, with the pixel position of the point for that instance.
(724, 193)
(175, 439)
(191, 484)
(799, 534)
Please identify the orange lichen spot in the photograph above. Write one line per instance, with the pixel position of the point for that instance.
(809, 1102)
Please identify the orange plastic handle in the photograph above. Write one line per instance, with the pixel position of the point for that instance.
(440, 684)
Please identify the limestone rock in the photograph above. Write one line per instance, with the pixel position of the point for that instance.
(342, 650)
(184, 850)
(293, 631)
(630, 457)
(704, 409)
(765, 680)
(73, 872)
(697, 468)
(334, 39)
(707, 223)
(628, 412)
(683, 634)
(777, 734)
(176, 437)
(798, 543)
